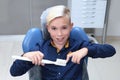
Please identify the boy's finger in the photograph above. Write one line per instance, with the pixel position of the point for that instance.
(42, 64)
(68, 57)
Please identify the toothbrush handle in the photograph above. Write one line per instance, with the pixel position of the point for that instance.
(21, 58)
(47, 61)
(26, 59)
(59, 62)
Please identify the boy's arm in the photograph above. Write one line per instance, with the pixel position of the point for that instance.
(20, 67)
(100, 50)
(92, 50)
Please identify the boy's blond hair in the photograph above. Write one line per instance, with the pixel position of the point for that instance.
(57, 11)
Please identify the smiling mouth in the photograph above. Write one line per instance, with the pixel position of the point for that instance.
(60, 39)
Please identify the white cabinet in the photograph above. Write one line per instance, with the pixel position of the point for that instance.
(88, 13)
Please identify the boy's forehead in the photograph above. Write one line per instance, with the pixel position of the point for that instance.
(59, 22)
(60, 19)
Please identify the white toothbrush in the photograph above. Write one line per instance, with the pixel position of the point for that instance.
(59, 62)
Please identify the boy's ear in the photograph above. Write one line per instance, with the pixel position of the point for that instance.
(47, 28)
(71, 25)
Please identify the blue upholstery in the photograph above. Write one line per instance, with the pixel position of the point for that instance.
(32, 38)
(35, 36)
(78, 34)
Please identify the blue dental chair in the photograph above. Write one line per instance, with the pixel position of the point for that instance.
(36, 36)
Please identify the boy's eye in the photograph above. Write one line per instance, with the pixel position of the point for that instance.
(53, 28)
(64, 27)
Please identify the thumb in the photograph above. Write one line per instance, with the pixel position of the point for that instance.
(68, 57)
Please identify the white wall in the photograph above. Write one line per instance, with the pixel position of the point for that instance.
(113, 20)
(15, 16)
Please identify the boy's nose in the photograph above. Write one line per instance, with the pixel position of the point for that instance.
(59, 32)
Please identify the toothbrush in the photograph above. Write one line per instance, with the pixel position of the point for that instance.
(59, 62)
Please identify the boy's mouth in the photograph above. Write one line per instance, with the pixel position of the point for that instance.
(60, 39)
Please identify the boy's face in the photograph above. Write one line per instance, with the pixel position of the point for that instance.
(59, 29)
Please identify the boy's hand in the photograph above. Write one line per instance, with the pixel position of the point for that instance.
(35, 56)
(77, 55)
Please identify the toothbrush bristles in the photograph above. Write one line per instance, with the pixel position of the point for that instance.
(61, 62)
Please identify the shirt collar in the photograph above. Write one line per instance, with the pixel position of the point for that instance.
(66, 45)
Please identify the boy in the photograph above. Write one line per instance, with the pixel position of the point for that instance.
(60, 45)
